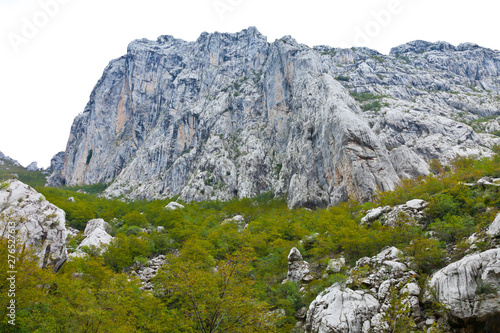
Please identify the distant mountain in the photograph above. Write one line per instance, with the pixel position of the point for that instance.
(7, 160)
(231, 115)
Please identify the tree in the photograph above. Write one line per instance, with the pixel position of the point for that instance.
(215, 299)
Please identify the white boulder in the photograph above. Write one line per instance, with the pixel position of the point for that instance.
(340, 309)
(298, 269)
(469, 287)
(35, 222)
(174, 206)
(494, 228)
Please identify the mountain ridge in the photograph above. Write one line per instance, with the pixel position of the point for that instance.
(245, 116)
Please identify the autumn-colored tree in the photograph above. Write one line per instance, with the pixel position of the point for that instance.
(215, 299)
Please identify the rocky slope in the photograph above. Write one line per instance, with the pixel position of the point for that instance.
(231, 115)
(6, 159)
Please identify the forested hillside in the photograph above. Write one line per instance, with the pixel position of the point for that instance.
(225, 274)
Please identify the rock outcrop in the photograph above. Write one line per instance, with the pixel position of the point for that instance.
(174, 206)
(375, 285)
(96, 237)
(342, 310)
(6, 159)
(38, 224)
(298, 269)
(410, 213)
(494, 228)
(229, 115)
(33, 167)
(148, 272)
(469, 288)
(55, 168)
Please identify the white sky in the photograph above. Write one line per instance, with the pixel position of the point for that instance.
(47, 74)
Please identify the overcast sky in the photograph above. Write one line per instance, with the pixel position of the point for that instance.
(52, 52)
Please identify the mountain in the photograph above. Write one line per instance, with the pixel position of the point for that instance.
(232, 115)
(6, 160)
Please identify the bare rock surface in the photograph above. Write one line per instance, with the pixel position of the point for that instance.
(470, 286)
(225, 116)
(38, 224)
(298, 269)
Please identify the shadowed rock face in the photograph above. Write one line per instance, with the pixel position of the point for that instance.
(229, 115)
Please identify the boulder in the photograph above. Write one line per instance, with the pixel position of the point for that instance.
(298, 269)
(469, 288)
(38, 224)
(96, 237)
(174, 206)
(92, 225)
(335, 265)
(339, 309)
(238, 220)
(494, 228)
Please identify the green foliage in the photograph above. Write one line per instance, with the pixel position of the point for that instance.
(215, 299)
(484, 288)
(398, 315)
(428, 254)
(372, 106)
(208, 246)
(343, 78)
(89, 156)
(32, 178)
(452, 228)
(369, 102)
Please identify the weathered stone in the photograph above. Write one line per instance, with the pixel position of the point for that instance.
(494, 228)
(469, 287)
(32, 167)
(335, 265)
(298, 269)
(229, 115)
(38, 224)
(340, 309)
(174, 206)
(92, 225)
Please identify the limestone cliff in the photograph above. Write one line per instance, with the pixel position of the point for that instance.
(229, 115)
(232, 115)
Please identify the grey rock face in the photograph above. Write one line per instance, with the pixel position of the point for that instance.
(6, 159)
(433, 97)
(37, 223)
(229, 115)
(56, 166)
(32, 167)
(469, 287)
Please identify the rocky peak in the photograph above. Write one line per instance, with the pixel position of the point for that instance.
(232, 116)
(420, 46)
(6, 159)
